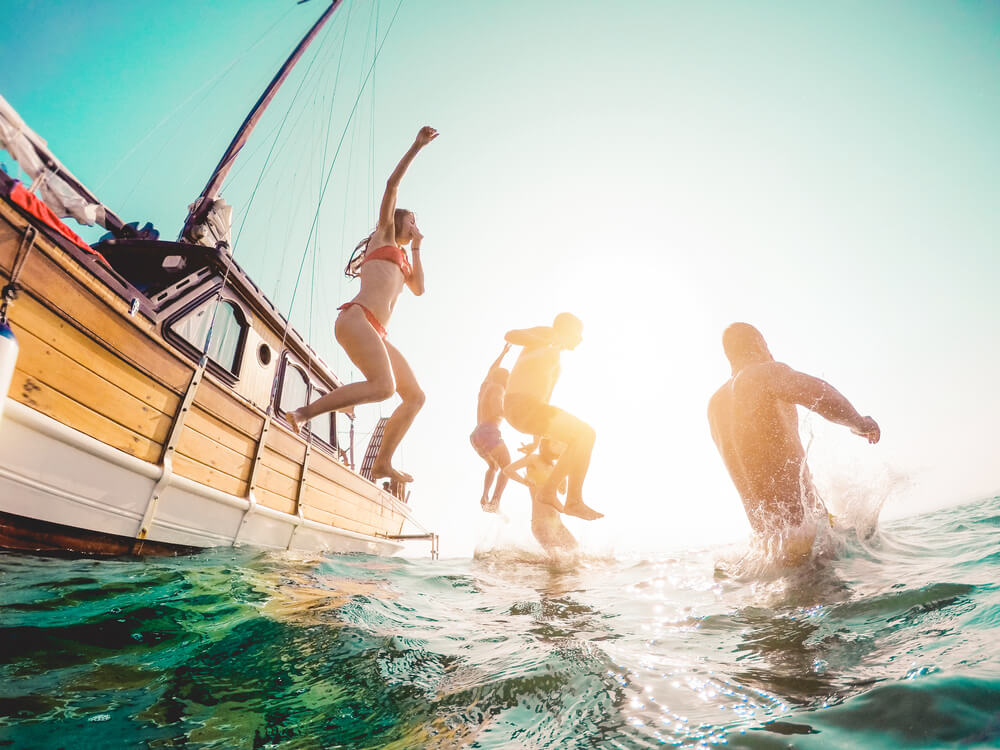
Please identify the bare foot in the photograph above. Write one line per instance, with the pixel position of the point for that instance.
(489, 506)
(293, 421)
(580, 510)
(379, 471)
(549, 498)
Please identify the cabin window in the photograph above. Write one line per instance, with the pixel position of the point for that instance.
(294, 388)
(228, 332)
(323, 425)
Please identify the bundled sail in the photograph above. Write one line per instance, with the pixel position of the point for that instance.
(51, 181)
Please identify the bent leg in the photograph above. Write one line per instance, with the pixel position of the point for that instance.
(401, 419)
(368, 352)
(579, 438)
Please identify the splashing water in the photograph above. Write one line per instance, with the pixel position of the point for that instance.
(886, 642)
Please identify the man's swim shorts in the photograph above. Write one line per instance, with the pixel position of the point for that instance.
(527, 414)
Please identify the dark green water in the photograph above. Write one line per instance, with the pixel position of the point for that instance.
(891, 643)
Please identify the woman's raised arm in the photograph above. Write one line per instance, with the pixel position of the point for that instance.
(386, 215)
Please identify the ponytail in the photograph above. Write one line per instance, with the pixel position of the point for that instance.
(353, 268)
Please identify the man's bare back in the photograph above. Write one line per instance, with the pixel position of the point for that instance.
(536, 371)
(758, 437)
(754, 425)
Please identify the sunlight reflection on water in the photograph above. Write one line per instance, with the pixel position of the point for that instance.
(234, 648)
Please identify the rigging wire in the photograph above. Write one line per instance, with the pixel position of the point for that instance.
(190, 184)
(267, 160)
(300, 189)
(326, 182)
(371, 152)
(377, 51)
(192, 95)
(326, 145)
(233, 246)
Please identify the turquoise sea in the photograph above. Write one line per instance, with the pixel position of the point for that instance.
(890, 642)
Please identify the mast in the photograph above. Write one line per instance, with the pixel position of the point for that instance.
(210, 193)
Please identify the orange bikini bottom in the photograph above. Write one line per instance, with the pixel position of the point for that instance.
(379, 328)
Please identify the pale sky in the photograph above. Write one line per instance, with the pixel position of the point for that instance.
(825, 172)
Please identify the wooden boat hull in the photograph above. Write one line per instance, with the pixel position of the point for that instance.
(51, 474)
(111, 431)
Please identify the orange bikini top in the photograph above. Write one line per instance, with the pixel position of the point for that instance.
(392, 254)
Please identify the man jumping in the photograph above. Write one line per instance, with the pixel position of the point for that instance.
(527, 408)
(755, 427)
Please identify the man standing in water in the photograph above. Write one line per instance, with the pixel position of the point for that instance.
(527, 409)
(486, 437)
(755, 427)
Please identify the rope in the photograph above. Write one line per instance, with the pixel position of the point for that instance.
(315, 252)
(326, 183)
(10, 290)
(253, 193)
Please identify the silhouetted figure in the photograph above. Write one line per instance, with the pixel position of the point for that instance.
(755, 427)
(527, 408)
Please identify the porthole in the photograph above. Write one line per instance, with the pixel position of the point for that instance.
(264, 354)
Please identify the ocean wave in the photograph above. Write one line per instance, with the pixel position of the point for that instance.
(884, 641)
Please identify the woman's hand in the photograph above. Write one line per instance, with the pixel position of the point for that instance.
(416, 237)
(425, 136)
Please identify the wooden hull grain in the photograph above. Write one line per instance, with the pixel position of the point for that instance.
(105, 439)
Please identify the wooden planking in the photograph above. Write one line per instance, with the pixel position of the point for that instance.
(229, 409)
(320, 501)
(199, 472)
(337, 472)
(276, 502)
(83, 272)
(343, 499)
(280, 440)
(318, 498)
(41, 397)
(47, 365)
(207, 451)
(332, 519)
(277, 483)
(81, 303)
(31, 315)
(277, 462)
(220, 432)
(348, 484)
(10, 241)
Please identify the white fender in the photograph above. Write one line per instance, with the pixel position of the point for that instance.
(8, 358)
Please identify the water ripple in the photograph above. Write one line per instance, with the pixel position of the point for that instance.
(888, 644)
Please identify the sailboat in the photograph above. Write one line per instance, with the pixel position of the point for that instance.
(148, 381)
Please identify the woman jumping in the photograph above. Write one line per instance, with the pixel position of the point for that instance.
(381, 263)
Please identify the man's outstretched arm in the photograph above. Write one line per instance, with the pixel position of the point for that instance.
(531, 337)
(821, 397)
